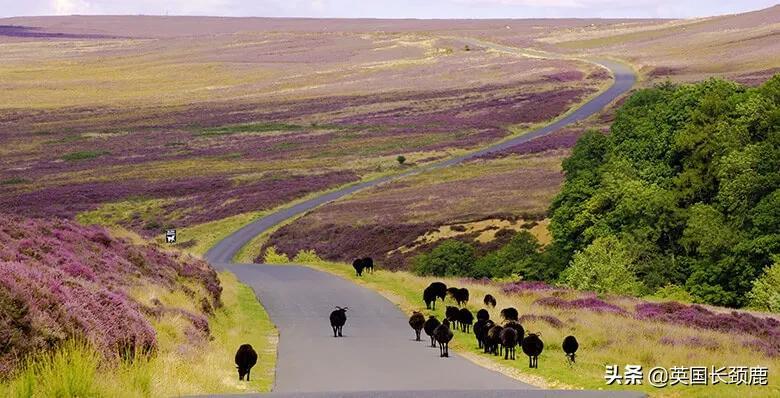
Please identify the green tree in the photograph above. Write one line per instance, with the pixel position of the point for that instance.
(605, 267)
(519, 256)
(449, 258)
(765, 294)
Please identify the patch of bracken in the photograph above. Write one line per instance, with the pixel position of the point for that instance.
(587, 303)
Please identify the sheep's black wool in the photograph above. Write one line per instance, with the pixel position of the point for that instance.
(246, 358)
(481, 328)
(533, 346)
(483, 314)
(462, 296)
(430, 326)
(429, 296)
(452, 314)
(509, 338)
(368, 264)
(337, 320)
(440, 289)
(416, 321)
(493, 340)
(570, 346)
(518, 328)
(358, 265)
(443, 335)
(510, 314)
(489, 301)
(466, 319)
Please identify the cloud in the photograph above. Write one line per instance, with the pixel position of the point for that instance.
(68, 7)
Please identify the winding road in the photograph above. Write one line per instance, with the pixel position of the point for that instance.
(377, 357)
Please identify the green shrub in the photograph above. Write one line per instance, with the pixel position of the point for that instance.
(673, 292)
(83, 155)
(604, 267)
(765, 294)
(519, 256)
(274, 257)
(401, 159)
(450, 258)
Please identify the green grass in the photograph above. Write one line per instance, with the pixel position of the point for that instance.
(260, 127)
(14, 181)
(83, 155)
(604, 338)
(76, 370)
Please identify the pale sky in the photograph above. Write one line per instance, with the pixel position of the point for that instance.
(390, 8)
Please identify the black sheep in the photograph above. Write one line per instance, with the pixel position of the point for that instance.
(429, 326)
(509, 314)
(246, 357)
(462, 296)
(337, 320)
(368, 264)
(451, 314)
(570, 346)
(481, 328)
(518, 328)
(443, 335)
(358, 266)
(416, 321)
(429, 296)
(493, 340)
(440, 288)
(509, 341)
(533, 346)
(453, 293)
(466, 319)
(489, 301)
(483, 314)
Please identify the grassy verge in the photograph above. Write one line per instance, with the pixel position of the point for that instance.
(76, 370)
(605, 338)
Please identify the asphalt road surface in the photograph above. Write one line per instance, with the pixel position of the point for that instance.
(377, 356)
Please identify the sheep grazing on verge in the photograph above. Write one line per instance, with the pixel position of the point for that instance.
(430, 326)
(489, 301)
(440, 288)
(463, 296)
(570, 346)
(416, 321)
(483, 314)
(466, 319)
(337, 320)
(508, 338)
(443, 335)
(358, 266)
(518, 328)
(493, 340)
(533, 346)
(368, 264)
(246, 357)
(452, 314)
(481, 328)
(510, 314)
(452, 292)
(429, 296)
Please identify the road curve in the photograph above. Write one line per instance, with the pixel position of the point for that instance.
(377, 356)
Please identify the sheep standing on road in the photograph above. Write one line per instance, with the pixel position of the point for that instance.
(337, 320)
(358, 266)
(430, 326)
(466, 319)
(570, 346)
(246, 358)
(451, 314)
(533, 346)
(509, 341)
(489, 301)
(416, 321)
(509, 314)
(443, 335)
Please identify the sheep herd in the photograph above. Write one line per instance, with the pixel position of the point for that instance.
(492, 337)
(496, 338)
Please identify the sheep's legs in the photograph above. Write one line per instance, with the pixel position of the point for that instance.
(340, 332)
(247, 374)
